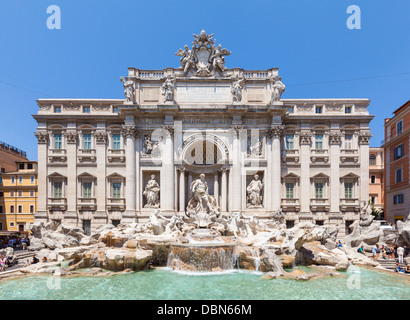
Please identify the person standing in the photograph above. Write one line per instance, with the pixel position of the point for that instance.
(400, 253)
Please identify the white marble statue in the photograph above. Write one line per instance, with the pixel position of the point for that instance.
(187, 58)
(218, 59)
(168, 89)
(255, 149)
(236, 90)
(254, 191)
(202, 206)
(151, 192)
(151, 147)
(128, 90)
(278, 88)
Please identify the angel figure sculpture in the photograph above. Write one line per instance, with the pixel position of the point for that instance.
(217, 58)
(187, 58)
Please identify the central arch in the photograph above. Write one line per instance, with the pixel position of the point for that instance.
(204, 149)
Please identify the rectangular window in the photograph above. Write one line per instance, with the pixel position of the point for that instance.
(319, 190)
(373, 200)
(1, 179)
(398, 152)
(348, 109)
(11, 193)
(31, 208)
(58, 190)
(11, 209)
(116, 141)
(87, 141)
(398, 198)
(31, 192)
(1, 193)
(29, 166)
(289, 141)
(373, 179)
(58, 141)
(20, 179)
(12, 180)
(399, 127)
(348, 190)
(1, 209)
(290, 190)
(32, 179)
(319, 141)
(115, 109)
(116, 190)
(399, 177)
(86, 109)
(21, 166)
(20, 209)
(348, 141)
(57, 109)
(19, 193)
(319, 109)
(86, 189)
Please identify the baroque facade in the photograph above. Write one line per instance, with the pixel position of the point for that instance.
(225, 130)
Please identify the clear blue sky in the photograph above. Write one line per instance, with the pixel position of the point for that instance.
(99, 40)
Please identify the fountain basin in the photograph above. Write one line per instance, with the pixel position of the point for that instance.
(210, 257)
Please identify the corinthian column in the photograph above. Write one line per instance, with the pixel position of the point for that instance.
(41, 214)
(236, 187)
(334, 142)
(168, 171)
(129, 133)
(181, 190)
(276, 134)
(364, 165)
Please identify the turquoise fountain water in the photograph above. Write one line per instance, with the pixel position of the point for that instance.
(165, 284)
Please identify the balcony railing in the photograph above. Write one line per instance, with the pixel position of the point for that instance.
(57, 204)
(317, 204)
(349, 204)
(86, 155)
(349, 155)
(86, 203)
(57, 155)
(116, 155)
(288, 203)
(291, 155)
(319, 155)
(116, 204)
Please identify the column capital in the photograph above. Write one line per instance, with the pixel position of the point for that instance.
(169, 128)
(71, 136)
(101, 137)
(224, 169)
(335, 138)
(237, 130)
(129, 131)
(42, 137)
(364, 137)
(275, 131)
(305, 137)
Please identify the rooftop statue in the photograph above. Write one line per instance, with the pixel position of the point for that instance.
(204, 58)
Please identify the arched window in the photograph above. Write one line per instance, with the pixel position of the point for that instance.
(372, 160)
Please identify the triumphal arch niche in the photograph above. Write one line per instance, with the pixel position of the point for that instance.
(203, 137)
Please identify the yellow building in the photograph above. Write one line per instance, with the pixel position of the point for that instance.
(18, 197)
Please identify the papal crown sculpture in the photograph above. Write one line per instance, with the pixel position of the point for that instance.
(204, 59)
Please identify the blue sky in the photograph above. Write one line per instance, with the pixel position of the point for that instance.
(318, 56)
